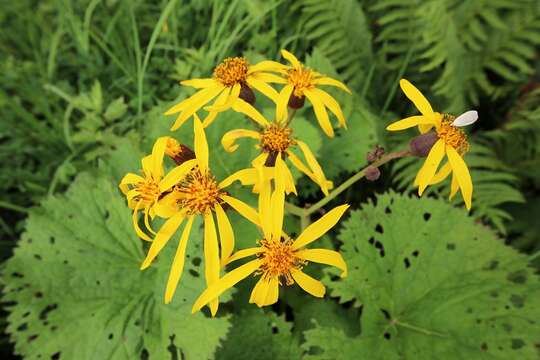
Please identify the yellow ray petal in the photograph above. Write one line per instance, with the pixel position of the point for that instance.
(332, 82)
(138, 230)
(278, 201)
(220, 100)
(272, 294)
(231, 99)
(320, 227)
(315, 167)
(265, 209)
(229, 139)
(129, 179)
(178, 263)
(409, 122)
(211, 257)
(245, 108)
(300, 166)
(193, 99)
(454, 187)
(258, 295)
(200, 83)
(175, 175)
(289, 179)
(209, 94)
(242, 208)
(324, 256)
(158, 152)
(269, 78)
(147, 222)
(283, 101)
(442, 174)
(309, 284)
(167, 206)
(245, 176)
(164, 234)
(421, 103)
(263, 88)
(461, 172)
(291, 58)
(266, 65)
(320, 112)
(332, 104)
(430, 166)
(201, 145)
(227, 281)
(226, 234)
(147, 165)
(240, 254)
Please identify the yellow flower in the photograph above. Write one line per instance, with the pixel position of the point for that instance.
(276, 140)
(143, 192)
(300, 83)
(279, 259)
(197, 193)
(452, 141)
(231, 84)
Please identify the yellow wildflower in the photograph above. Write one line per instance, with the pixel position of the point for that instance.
(279, 259)
(452, 141)
(143, 192)
(232, 84)
(276, 140)
(300, 83)
(197, 193)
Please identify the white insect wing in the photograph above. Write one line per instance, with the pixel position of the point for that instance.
(466, 118)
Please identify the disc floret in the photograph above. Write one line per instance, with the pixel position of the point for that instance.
(302, 79)
(198, 193)
(276, 138)
(278, 259)
(231, 71)
(452, 135)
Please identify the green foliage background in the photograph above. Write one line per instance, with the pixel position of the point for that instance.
(83, 85)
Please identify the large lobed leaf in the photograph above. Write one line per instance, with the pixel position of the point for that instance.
(75, 290)
(433, 285)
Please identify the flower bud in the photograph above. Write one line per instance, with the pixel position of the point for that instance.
(178, 152)
(296, 102)
(372, 173)
(247, 94)
(422, 144)
(375, 154)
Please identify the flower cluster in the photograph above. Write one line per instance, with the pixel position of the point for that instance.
(189, 189)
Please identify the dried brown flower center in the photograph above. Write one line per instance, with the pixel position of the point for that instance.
(276, 138)
(232, 71)
(452, 135)
(278, 259)
(301, 79)
(199, 193)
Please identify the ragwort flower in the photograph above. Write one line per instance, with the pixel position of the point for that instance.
(301, 83)
(451, 140)
(276, 140)
(279, 259)
(197, 193)
(143, 192)
(231, 85)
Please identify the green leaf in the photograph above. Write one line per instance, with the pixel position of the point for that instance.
(116, 109)
(96, 97)
(75, 275)
(433, 284)
(257, 334)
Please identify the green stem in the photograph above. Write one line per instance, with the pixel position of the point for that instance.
(290, 116)
(353, 179)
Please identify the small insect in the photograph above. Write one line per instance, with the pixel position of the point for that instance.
(467, 118)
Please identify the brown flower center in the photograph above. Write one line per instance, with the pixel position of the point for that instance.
(452, 135)
(232, 71)
(301, 79)
(276, 138)
(199, 193)
(278, 259)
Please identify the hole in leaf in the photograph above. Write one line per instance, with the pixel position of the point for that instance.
(196, 261)
(144, 354)
(386, 314)
(111, 336)
(43, 314)
(380, 247)
(387, 336)
(22, 327)
(387, 210)
(275, 329)
(17, 275)
(427, 216)
(26, 314)
(193, 273)
(407, 263)
(37, 256)
(371, 240)
(106, 214)
(415, 253)
(517, 344)
(379, 229)
(518, 277)
(32, 338)
(51, 240)
(484, 347)
(450, 246)
(55, 356)
(39, 295)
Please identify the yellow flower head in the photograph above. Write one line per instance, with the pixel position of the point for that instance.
(279, 259)
(231, 87)
(195, 192)
(143, 192)
(451, 140)
(301, 83)
(276, 140)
